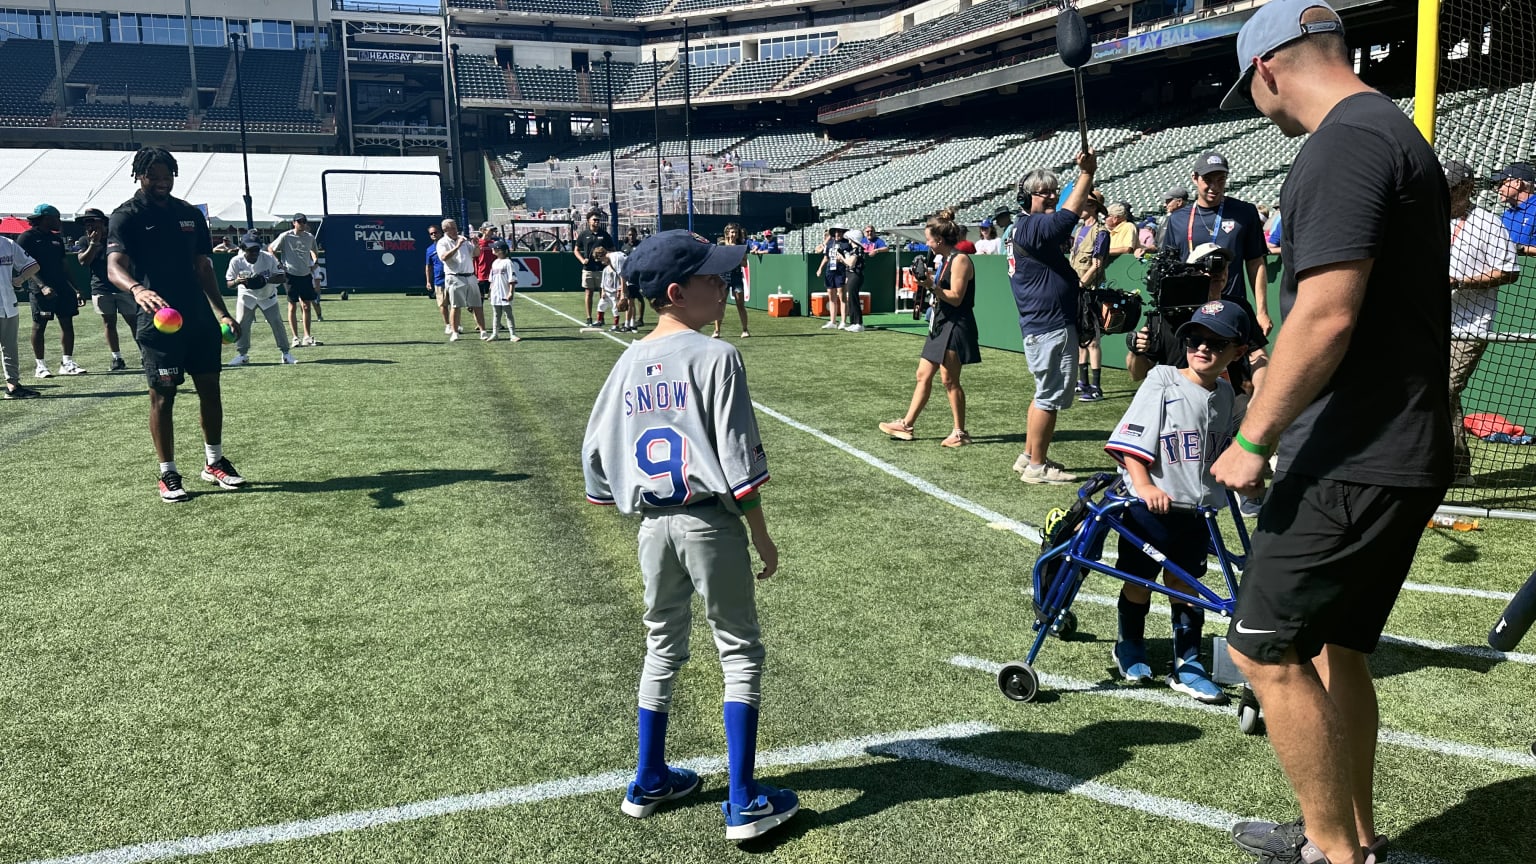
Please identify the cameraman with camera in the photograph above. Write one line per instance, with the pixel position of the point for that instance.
(255, 273)
(1178, 289)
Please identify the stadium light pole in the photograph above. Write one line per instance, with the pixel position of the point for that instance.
(613, 183)
(656, 118)
(128, 100)
(237, 40)
(688, 117)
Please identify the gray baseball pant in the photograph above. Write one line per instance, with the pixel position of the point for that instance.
(8, 355)
(245, 313)
(702, 548)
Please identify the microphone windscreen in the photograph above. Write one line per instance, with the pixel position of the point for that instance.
(1072, 38)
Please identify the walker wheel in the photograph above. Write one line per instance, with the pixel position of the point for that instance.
(1018, 682)
(1065, 625)
(1250, 720)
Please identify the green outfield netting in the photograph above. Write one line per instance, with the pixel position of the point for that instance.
(1485, 118)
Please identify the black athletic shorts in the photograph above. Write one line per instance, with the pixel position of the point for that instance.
(1328, 561)
(632, 291)
(61, 303)
(170, 357)
(1180, 537)
(301, 288)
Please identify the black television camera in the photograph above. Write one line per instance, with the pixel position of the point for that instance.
(920, 269)
(1177, 289)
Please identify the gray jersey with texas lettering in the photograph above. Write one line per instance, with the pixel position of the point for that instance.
(673, 425)
(1177, 428)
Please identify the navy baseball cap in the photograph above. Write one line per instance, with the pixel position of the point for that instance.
(501, 246)
(1275, 25)
(675, 257)
(299, 217)
(251, 241)
(1220, 317)
(1457, 172)
(1177, 192)
(1516, 171)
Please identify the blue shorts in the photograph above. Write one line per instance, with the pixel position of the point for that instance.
(1052, 359)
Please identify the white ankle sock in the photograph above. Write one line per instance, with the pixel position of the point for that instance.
(169, 466)
(215, 452)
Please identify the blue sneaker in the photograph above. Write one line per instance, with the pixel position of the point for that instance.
(770, 809)
(1131, 660)
(640, 803)
(1190, 678)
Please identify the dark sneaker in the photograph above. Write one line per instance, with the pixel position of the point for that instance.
(170, 488)
(639, 803)
(117, 365)
(1261, 838)
(224, 474)
(20, 392)
(770, 809)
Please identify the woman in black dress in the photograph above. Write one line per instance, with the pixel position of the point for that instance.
(735, 281)
(952, 337)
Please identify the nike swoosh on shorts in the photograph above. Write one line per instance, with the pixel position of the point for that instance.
(1250, 630)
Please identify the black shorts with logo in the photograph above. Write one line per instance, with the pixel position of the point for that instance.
(301, 288)
(60, 303)
(169, 357)
(1329, 558)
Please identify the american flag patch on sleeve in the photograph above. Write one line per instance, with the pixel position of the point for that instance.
(1131, 430)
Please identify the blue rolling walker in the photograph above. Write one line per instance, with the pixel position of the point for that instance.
(1072, 547)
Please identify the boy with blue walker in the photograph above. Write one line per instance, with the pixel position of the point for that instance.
(1178, 423)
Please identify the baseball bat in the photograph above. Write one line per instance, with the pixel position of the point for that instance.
(1517, 618)
(1075, 50)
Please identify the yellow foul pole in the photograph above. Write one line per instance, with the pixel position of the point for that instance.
(1427, 69)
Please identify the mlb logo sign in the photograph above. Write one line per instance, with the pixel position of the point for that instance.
(652, 370)
(528, 270)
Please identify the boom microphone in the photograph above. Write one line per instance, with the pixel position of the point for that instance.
(1075, 50)
(1516, 619)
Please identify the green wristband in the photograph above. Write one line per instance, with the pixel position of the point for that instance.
(750, 504)
(1255, 449)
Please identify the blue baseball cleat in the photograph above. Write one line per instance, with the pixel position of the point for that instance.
(770, 809)
(641, 803)
(1131, 659)
(1190, 678)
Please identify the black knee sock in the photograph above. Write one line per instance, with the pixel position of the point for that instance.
(1133, 619)
(1094, 376)
(1082, 374)
(1188, 629)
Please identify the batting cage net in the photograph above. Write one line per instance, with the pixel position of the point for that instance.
(1485, 133)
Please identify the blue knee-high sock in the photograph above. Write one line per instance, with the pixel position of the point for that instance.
(741, 750)
(1133, 620)
(652, 773)
(1188, 628)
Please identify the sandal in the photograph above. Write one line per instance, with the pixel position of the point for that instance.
(898, 428)
(957, 438)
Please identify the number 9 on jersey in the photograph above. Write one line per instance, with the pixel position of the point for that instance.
(662, 451)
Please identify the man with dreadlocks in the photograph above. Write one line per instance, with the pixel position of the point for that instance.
(159, 249)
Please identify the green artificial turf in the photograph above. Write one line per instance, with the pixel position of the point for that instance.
(412, 600)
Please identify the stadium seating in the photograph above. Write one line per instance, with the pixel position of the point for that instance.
(271, 83)
(698, 77)
(622, 72)
(545, 7)
(480, 78)
(101, 116)
(538, 84)
(29, 70)
(117, 64)
(786, 149)
(755, 75)
(472, 4)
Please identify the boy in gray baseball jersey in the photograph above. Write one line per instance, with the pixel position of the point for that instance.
(1178, 423)
(673, 438)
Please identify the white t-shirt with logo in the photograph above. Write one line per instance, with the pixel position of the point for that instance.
(266, 265)
(503, 280)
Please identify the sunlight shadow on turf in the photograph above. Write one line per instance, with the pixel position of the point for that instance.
(1094, 750)
(1398, 659)
(1490, 824)
(385, 487)
(386, 344)
(53, 393)
(349, 361)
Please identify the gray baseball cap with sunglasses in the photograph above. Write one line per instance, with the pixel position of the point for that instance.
(1277, 24)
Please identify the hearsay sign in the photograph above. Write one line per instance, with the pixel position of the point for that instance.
(375, 253)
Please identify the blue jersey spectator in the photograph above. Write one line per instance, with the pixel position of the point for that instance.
(1515, 185)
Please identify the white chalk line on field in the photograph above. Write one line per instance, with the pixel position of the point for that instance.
(1409, 740)
(533, 793)
(1029, 532)
(1478, 651)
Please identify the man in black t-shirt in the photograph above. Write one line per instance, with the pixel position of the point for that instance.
(1364, 450)
(1215, 217)
(159, 251)
(591, 237)
(57, 299)
(108, 300)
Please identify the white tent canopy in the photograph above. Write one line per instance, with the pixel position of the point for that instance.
(281, 185)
